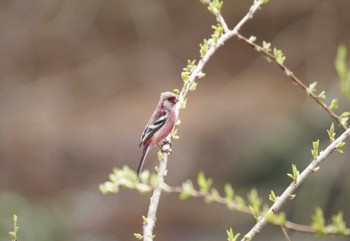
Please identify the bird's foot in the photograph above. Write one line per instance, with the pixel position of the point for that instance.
(166, 147)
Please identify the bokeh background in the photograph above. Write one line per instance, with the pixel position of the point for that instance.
(80, 78)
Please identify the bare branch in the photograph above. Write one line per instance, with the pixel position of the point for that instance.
(295, 184)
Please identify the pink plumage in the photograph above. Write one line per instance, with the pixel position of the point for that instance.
(160, 124)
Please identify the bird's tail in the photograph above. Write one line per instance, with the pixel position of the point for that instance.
(143, 157)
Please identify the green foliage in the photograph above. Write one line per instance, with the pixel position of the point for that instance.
(331, 133)
(254, 203)
(344, 117)
(229, 192)
(295, 173)
(127, 178)
(204, 183)
(272, 196)
(240, 203)
(280, 58)
(183, 104)
(215, 5)
(138, 236)
(252, 39)
(334, 104)
(336, 227)
(160, 155)
(339, 147)
(338, 223)
(342, 70)
(186, 72)
(312, 88)
(218, 31)
(13, 233)
(315, 147)
(187, 190)
(203, 48)
(322, 95)
(318, 222)
(231, 236)
(266, 46)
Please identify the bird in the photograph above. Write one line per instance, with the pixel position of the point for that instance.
(160, 125)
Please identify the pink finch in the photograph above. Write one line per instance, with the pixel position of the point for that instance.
(160, 125)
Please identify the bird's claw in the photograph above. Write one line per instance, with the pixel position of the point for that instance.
(166, 147)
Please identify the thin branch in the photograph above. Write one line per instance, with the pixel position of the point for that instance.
(284, 231)
(150, 221)
(293, 77)
(308, 229)
(311, 168)
(151, 216)
(233, 205)
(222, 39)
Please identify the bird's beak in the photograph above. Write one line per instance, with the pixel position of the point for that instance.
(176, 99)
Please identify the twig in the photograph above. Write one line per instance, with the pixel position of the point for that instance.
(311, 168)
(222, 39)
(293, 77)
(232, 204)
(284, 231)
(150, 221)
(311, 230)
(151, 216)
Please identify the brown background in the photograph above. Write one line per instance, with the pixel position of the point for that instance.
(80, 78)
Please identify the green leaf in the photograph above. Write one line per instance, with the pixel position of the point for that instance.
(252, 39)
(272, 196)
(144, 220)
(231, 236)
(240, 202)
(200, 75)
(315, 145)
(138, 236)
(203, 183)
(277, 218)
(334, 104)
(203, 48)
(280, 58)
(338, 223)
(160, 156)
(322, 95)
(295, 173)
(318, 222)
(13, 234)
(340, 62)
(342, 70)
(229, 192)
(266, 46)
(193, 86)
(339, 147)
(331, 133)
(183, 104)
(312, 88)
(255, 203)
(214, 196)
(187, 190)
(344, 117)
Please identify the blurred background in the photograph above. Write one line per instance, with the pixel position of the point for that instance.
(79, 80)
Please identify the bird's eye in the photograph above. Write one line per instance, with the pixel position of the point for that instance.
(171, 99)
